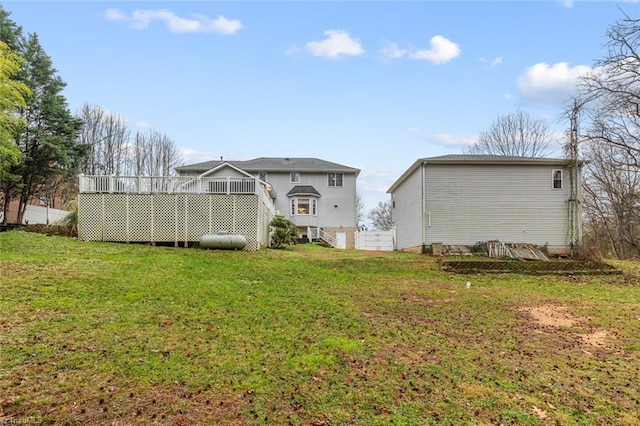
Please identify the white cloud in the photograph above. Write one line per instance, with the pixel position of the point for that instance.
(441, 50)
(455, 141)
(566, 3)
(338, 42)
(392, 51)
(143, 125)
(413, 129)
(293, 50)
(192, 156)
(141, 19)
(497, 61)
(544, 84)
(115, 15)
(373, 185)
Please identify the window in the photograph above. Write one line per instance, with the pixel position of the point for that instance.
(335, 179)
(262, 176)
(557, 179)
(304, 206)
(295, 177)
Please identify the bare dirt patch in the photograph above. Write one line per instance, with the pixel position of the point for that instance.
(597, 338)
(552, 316)
(559, 316)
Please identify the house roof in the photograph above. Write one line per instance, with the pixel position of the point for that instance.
(468, 159)
(274, 164)
(303, 190)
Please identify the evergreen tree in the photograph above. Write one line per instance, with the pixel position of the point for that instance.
(48, 139)
(12, 93)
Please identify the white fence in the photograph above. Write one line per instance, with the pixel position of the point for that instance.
(376, 240)
(41, 215)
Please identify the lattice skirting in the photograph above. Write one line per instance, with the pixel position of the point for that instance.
(172, 217)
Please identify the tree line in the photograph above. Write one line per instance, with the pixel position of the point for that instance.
(43, 146)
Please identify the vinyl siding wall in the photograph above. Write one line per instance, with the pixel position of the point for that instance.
(471, 203)
(343, 197)
(406, 214)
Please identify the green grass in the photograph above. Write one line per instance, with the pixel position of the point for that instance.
(101, 333)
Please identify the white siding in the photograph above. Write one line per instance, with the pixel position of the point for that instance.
(336, 205)
(407, 211)
(225, 172)
(471, 203)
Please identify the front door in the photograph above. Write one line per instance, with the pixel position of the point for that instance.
(341, 240)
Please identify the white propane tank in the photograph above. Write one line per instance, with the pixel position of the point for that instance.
(223, 241)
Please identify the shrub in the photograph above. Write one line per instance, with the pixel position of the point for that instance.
(70, 221)
(284, 232)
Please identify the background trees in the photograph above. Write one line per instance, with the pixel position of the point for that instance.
(609, 100)
(380, 216)
(46, 136)
(43, 146)
(518, 134)
(107, 137)
(12, 93)
(114, 149)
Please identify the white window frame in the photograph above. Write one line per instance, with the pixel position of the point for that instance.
(554, 180)
(311, 202)
(332, 180)
(294, 177)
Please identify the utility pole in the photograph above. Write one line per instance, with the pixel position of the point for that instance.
(575, 203)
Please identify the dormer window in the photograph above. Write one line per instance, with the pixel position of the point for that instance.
(335, 179)
(294, 177)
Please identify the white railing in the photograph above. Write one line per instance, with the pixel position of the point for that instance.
(170, 185)
(327, 238)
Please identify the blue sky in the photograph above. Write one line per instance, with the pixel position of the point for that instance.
(373, 85)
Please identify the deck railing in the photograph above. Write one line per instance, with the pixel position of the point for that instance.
(114, 184)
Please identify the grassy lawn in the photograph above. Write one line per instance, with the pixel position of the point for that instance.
(102, 333)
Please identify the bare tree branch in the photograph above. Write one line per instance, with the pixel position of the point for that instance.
(517, 134)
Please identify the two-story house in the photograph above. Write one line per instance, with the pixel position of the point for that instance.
(317, 195)
(461, 200)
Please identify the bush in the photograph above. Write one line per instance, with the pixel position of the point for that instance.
(284, 232)
(70, 221)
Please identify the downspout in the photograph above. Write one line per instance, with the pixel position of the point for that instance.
(424, 210)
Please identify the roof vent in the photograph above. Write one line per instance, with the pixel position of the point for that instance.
(287, 159)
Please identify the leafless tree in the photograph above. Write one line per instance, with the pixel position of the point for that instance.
(518, 134)
(154, 154)
(111, 150)
(612, 201)
(107, 136)
(380, 216)
(614, 90)
(360, 216)
(611, 141)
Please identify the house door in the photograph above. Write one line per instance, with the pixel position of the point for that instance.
(341, 240)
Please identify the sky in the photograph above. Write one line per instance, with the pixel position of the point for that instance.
(368, 84)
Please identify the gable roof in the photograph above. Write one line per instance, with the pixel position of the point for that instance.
(469, 159)
(274, 164)
(222, 165)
